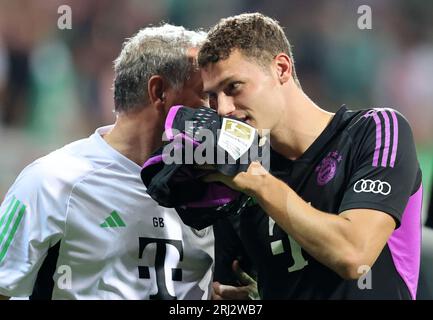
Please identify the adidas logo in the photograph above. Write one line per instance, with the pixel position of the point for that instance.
(113, 221)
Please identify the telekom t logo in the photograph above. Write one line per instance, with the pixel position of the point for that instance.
(160, 255)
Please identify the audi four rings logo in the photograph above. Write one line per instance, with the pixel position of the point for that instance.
(375, 186)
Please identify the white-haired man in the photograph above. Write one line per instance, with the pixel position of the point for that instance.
(78, 224)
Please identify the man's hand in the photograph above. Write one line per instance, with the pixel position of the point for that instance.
(246, 291)
(246, 182)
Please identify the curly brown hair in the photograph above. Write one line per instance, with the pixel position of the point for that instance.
(256, 36)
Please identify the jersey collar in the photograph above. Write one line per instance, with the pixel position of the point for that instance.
(336, 125)
(113, 153)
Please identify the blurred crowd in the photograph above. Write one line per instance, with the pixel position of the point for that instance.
(55, 85)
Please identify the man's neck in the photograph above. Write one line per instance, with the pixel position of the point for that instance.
(302, 125)
(135, 135)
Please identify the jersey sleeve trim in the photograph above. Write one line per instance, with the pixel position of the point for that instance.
(373, 206)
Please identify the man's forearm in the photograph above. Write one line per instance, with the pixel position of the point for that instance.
(327, 237)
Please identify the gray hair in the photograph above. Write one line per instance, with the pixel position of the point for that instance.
(161, 50)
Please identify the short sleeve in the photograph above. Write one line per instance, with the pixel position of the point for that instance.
(31, 221)
(385, 171)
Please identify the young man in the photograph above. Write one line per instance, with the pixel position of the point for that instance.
(78, 224)
(343, 195)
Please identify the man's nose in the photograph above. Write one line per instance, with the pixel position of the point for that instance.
(225, 105)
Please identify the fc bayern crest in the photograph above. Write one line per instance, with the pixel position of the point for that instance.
(327, 168)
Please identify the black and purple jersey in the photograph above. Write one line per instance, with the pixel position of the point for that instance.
(362, 160)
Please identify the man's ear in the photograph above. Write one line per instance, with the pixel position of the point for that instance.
(156, 87)
(283, 65)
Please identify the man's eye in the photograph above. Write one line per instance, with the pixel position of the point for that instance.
(233, 88)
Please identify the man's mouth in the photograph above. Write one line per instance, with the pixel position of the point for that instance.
(243, 118)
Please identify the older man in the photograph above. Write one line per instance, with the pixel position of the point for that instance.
(78, 224)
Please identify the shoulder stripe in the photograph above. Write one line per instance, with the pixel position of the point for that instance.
(9, 220)
(395, 138)
(373, 113)
(383, 143)
(10, 217)
(5, 248)
(387, 138)
(7, 211)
